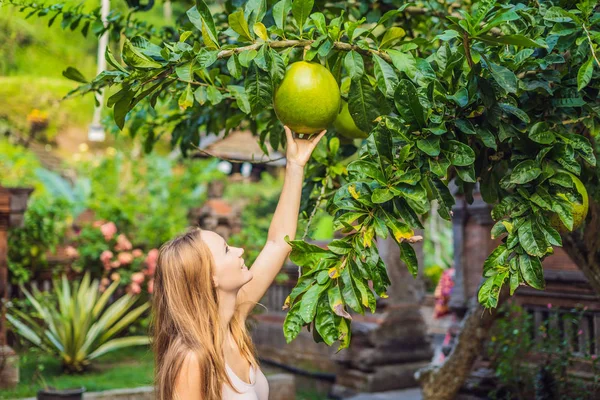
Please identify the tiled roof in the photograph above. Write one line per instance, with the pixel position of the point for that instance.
(239, 145)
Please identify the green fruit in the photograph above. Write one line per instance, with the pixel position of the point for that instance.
(308, 98)
(345, 126)
(580, 209)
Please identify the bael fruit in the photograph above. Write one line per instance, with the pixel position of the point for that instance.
(580, 209)
(308, 98)
(345, 126)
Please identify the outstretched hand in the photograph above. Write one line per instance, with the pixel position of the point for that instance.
(299, 150)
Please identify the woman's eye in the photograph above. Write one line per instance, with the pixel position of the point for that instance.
(227, 249)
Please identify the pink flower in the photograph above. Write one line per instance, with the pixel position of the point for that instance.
(115, 276)
(105, 281)
(549, 305)
(71, 252)
(135, 288)
(106, 256)
(138, 278)
(108, 230)
(98, 224)
(580, 332)
(101, 288)
(137, 253)
(125, 258)
(151, 286)
(594, 356)
(123, 244)
(115, 264)
(151, 260)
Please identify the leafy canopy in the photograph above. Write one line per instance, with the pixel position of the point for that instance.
(499, 95)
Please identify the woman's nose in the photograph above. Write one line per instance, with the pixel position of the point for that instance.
(241, 251)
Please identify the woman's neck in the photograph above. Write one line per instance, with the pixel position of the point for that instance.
(227, 303)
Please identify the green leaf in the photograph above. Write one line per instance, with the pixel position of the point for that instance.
(407, 103)
(305, 254)
(391, 35)
(564, 210)
(325, 322)
(524, 172)
(430, 146)
(439, 166)
(234, 67)
(400, 230)
(504, 77)
(362, 104)
(301, 9)
(532, 239)
(259, 90)
(208, 25)
(340, 246)
(255, 10)
(349, 292)
(187, 98)
(540, 133)
(200, 95)
(74, 75)
(366, 295)
(584, 76)
(487, 137)
(280, 12)
(246, 57)
(134, 58)
(310, 300)
(239, 93)
(467, 174)
(238, 23)
(516, 40)
(532, 271)
(409, 257)
(335, 302)
(353, 62)
(404, 62)
(497, 259)
(293, 323)
(442, 194)
(381, 195)
(387, 81)
(214, 95)
(509, 108)
(367, 168)
(458, 153)
(319, 21)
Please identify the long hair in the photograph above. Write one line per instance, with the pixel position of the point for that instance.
(185, 318)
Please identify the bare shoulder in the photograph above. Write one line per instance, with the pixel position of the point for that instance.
(189, 380)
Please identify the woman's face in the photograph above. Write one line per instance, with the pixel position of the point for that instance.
(230, 271)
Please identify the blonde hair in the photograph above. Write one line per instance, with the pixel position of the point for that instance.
(185, 318)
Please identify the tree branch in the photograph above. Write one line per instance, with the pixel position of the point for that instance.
(282, 44)
(590, 42)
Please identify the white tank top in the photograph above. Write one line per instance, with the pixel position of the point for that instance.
(257, 389)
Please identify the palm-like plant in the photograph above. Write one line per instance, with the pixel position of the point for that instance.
(79, 327)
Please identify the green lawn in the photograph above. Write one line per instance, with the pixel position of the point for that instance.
(131, 367)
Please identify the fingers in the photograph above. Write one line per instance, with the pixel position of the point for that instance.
(315, 139)
(288, 134)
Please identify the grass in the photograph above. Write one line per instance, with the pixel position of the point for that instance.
(127, 368)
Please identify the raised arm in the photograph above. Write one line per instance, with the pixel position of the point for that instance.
(284, 222)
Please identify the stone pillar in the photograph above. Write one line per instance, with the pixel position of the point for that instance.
(13, 203)
(386, 351)
(471, 226)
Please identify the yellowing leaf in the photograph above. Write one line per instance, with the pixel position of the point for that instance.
(352, 190)
(286, 303)
(208, 42)
(333, 273)
(383, 295)
(368, 237)
(508, 226)
(261, 31)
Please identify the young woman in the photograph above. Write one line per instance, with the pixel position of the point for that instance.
(203, 293)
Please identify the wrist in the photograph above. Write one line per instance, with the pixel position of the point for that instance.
(293, 166)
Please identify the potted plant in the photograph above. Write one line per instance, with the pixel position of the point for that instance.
(78, 327)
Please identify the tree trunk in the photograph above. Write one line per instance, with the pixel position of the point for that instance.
(583, 246)
(443, 382)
